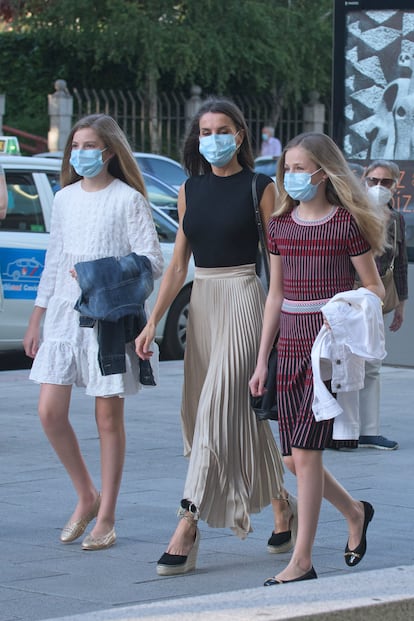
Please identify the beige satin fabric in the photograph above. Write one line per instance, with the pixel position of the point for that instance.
(235, 467)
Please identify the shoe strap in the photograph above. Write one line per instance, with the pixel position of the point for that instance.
(188, 511)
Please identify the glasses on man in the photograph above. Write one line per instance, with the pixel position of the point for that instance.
(387, 183)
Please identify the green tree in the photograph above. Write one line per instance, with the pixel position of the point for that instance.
(281, 47)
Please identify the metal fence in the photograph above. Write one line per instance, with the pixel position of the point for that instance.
(161, 129)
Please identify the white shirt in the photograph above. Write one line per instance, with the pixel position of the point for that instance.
(356, 334)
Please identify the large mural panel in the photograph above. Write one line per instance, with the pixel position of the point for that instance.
(373, 95)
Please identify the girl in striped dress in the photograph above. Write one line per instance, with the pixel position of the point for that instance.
(323, 232)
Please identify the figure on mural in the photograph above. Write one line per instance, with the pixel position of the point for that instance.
(392, 128)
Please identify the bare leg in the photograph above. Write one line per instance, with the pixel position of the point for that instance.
(54, 404)
(183, 538)
(313, 482)
(307, 465)
(352, 510)
(109, 413)
(282, 513)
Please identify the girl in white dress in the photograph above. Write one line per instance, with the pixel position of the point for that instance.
(101, 211)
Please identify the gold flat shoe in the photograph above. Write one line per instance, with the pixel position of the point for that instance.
(73, 530)
(99, 543)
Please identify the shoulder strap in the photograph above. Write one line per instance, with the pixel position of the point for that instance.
(394, 245)
(262, 238)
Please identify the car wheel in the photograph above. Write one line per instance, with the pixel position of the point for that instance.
(174, 339)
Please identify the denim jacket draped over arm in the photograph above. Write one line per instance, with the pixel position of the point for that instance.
(113, 294)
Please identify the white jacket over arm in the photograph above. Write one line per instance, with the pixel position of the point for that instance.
(356, 334)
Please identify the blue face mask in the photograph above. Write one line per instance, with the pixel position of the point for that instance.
(218, 149)
(87, 162)
(299, 186)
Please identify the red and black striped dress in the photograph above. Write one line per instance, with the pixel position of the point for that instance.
(316, 265)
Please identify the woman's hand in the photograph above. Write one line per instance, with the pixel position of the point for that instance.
(398, 317)
(31, 341)
(258, 380)
(326, 322)
(143, 342)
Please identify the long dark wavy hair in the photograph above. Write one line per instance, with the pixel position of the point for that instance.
(194, 162)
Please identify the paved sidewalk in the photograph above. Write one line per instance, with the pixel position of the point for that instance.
(43, 579)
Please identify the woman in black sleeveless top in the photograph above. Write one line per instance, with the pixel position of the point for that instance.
(235, 468)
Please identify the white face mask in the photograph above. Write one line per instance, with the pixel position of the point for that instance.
(379, 195)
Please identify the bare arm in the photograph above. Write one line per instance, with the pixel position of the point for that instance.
(368, 273)
(171, 284)
(31, 340)
(271, 320)
(267, 204)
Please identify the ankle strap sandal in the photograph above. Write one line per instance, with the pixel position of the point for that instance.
(188, 511)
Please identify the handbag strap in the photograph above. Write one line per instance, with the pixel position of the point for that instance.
(259, 223)
(394, 246)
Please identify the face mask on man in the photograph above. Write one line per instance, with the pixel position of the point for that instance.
(379, 195)
(218, 149)
(299, 186)
(87, 162)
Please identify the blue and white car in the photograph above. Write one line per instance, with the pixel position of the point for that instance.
(32, 182)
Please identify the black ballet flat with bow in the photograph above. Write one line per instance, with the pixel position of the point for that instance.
(310, 575)
(353, 557)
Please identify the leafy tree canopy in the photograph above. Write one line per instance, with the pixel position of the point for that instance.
(266, 44)
(281, 47)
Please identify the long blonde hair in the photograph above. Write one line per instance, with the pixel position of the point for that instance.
(342, 187)
(122, 164)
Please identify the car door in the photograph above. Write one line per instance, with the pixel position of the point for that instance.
(23, 241)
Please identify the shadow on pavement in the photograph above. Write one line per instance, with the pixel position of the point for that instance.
(13, 360)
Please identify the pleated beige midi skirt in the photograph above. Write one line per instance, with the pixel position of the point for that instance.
(235, 468)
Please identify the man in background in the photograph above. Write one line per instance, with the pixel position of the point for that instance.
(271, 146)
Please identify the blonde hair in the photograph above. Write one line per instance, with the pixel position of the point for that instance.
(122, 164)
(342, 187)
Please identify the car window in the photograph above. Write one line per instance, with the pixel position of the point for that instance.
(54, 180)
(24, 211)
(267, 167)
(173, 175)
(164, 170)
(166, 230)
(159, 194)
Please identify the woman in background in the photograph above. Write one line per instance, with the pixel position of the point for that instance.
(381, 179)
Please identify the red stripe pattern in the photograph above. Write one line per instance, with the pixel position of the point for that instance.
(316, 265)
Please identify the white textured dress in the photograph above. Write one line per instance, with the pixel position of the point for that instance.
(86, 226)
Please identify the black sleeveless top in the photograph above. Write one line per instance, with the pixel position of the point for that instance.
(219, 221)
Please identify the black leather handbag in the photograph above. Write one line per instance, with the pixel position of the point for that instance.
(265, 406)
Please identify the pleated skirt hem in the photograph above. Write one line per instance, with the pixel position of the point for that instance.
(235, 468)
